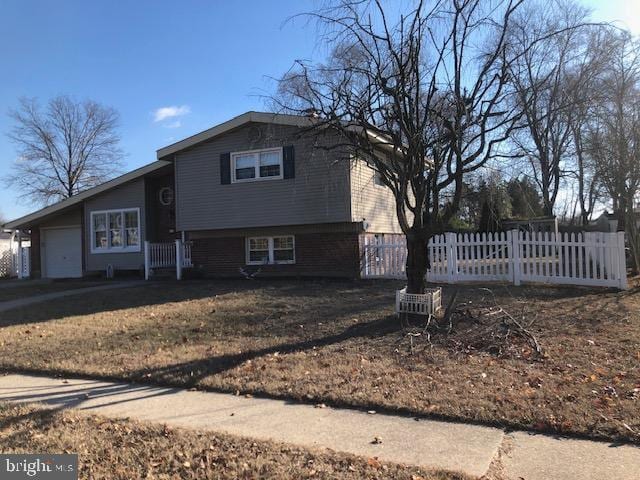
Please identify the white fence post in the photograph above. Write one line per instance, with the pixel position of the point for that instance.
(19, 262)
(365, 257)
(622, 262)
(452, 256)
(513, 241)
(179, 256)
(20, 254)
(25, 262)
(147, 261)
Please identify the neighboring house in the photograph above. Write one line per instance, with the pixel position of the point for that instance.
(534, 224)
(608, 222)
(253, 191)
(10, 245)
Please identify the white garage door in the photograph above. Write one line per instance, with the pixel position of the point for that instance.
(62, 250)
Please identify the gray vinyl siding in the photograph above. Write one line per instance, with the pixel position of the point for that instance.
(72, 218)
(129, 195)
(319, 193)
(372, 203)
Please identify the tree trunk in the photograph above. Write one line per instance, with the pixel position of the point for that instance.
(417, 262)
(630, 226)
(633, 236)
(621, 215)
(585, 218)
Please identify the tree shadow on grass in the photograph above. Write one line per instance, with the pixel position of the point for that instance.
(190, 373)
(41, 420)
(144, 295)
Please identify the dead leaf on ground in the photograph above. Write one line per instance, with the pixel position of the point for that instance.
(374, 462)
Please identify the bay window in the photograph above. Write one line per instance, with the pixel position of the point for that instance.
(115, 230)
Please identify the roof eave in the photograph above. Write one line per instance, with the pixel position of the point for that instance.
(31, 218)
(248, 117)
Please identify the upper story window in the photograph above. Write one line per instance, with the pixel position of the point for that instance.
(115, 231)
(256, 165)
(377, 179)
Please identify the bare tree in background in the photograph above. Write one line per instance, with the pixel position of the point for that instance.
(614, 137)
(66, 148)
(428, 85)
(546, 76)
(584, 99)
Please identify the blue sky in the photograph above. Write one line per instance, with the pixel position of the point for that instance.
(203, 62)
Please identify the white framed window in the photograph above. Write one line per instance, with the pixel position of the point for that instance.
(115, 230)
(255, 165)
(271, 250)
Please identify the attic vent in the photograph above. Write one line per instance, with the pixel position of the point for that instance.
(254, 134)
(165, 195)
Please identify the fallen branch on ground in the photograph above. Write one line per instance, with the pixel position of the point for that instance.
(481, 326)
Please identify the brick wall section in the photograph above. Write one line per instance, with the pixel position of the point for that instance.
(218, 256)
(323, 254)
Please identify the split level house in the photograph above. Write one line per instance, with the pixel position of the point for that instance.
(257, 191)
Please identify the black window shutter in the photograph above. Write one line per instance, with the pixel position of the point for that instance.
(225, 168)
(288, 162)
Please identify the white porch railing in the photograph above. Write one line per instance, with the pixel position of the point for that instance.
(186, 259)
(162, 255)
(167, 255)
(587, 258)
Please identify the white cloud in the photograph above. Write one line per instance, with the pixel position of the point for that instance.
(163, 113)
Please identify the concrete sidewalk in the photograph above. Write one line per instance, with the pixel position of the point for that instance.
(26, 301)
(433, 444)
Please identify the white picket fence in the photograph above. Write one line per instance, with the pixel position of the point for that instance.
(587, 258)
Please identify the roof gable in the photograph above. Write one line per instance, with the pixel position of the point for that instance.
(248, 117)
(77, 199)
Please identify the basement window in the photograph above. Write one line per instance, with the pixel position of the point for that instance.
(271, 250)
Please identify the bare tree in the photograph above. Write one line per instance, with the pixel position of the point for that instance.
(67, 148)
(546, 76)
(614, 137)
(427, 86)
(585, 97)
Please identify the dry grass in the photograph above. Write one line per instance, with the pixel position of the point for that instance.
(124, 449)
(338, 343)
(14, 289)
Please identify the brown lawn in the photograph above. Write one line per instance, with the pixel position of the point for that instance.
(338, 343)
(123, 449)
(15, 289)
